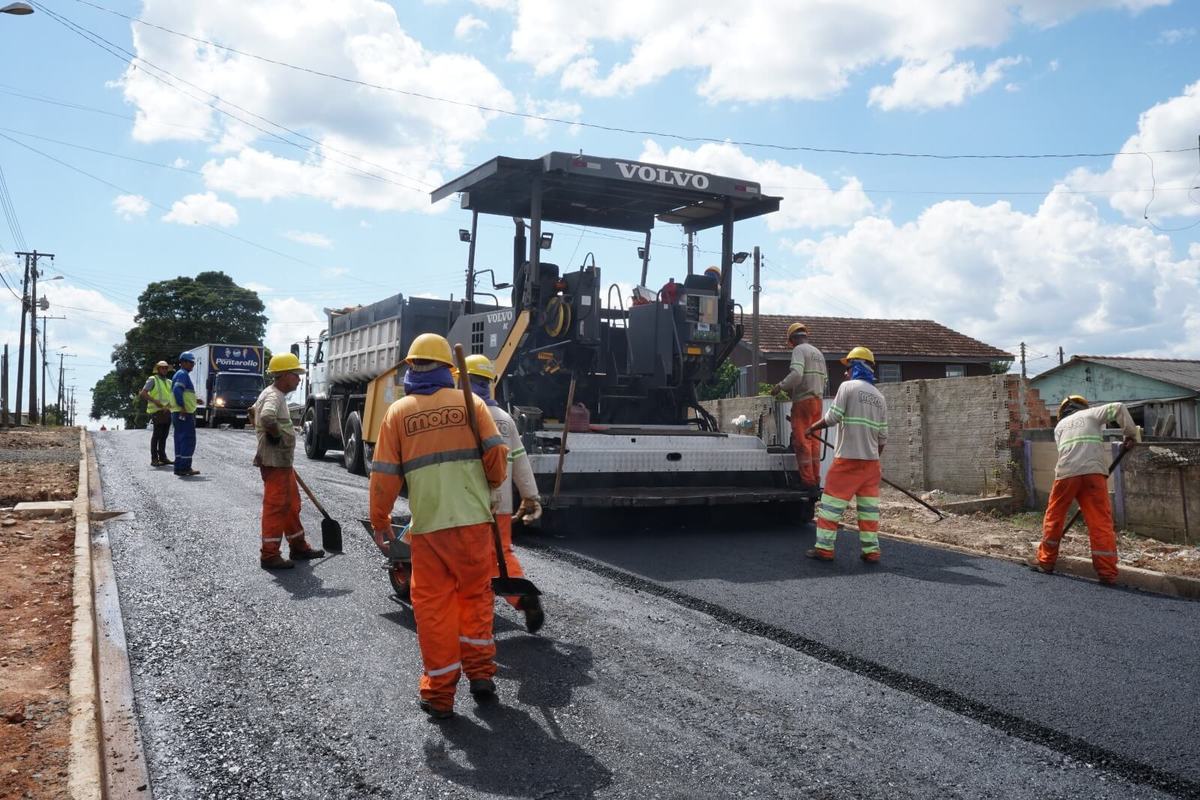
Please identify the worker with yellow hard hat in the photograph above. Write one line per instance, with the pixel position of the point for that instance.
(860, 412)
(159, 405)
(1081, 475)
(805, 385)
(275, 461)
(426, 443)
(520, 472)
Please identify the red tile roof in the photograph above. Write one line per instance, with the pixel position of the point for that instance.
(902, 338)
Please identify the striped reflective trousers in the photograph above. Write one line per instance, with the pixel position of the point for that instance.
(850, 479)
(1092, 493)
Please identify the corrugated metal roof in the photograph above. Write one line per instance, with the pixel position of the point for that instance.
(1175, 371)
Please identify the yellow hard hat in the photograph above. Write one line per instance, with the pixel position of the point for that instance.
(430, 347)
(1076, 399)
(285, 362)
(859, 353)
(797, 326)
(481, 366)
(162, 364)
(714, 271)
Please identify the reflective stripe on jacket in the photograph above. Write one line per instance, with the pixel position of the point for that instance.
(425, 441)
(160, 395)
(861, 412)
(184, 392)
(1081, 447)
(808, 375)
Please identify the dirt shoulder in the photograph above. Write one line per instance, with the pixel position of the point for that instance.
(1018, 535)
(36, 573)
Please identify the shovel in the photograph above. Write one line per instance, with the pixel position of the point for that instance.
(331, 529)
(503, 585)
(912, 496)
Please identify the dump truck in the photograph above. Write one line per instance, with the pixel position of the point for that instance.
(603, 387)
(228, 379)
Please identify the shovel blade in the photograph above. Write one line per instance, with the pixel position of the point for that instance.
(331, 535)
(515, 587)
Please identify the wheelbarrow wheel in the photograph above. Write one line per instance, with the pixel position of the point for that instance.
(399, 574)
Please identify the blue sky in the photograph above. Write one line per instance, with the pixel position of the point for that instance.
(1054, 252)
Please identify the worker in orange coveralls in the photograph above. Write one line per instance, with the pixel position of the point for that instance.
(805, 385)
(860, 412)
(425, 440)
(483, 375)
(274, 458)
(1081, 474)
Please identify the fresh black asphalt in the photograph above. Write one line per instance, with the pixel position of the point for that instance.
(768, 676)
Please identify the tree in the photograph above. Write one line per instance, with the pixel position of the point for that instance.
(721, 383)
(1000, 367)
(174, 315)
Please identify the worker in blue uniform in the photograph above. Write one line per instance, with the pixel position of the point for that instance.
(184, 416)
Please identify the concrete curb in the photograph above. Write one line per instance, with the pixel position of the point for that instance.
(84, 765)
(1145, 580)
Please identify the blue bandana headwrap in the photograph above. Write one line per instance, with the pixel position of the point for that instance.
(427, 382)
(483, 388)
(859, 371)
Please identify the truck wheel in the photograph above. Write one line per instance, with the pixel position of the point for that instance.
(314, 442)
(352, 455)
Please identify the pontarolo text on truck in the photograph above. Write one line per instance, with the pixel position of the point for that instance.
(228, 379)
(567, 341)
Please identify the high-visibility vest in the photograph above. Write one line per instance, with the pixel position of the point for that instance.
(160, 396)
(189, 392)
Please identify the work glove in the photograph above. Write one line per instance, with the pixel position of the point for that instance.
(530, 510)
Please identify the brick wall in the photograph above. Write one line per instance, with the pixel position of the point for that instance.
(961, 435)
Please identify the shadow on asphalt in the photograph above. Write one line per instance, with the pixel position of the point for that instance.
(304, 584)
(761, 555)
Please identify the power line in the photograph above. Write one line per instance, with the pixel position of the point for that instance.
(10, 213)
(612, 128)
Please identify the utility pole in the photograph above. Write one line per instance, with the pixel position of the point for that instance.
(31, 265)
(1022, 360)
(756, 289)
(21, 346)
(60, 389)
(1060, 356)
(45, 356)
(5, 420)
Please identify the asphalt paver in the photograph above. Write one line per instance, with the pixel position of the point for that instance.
(302, 684)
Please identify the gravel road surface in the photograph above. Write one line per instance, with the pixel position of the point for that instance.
(723, 668)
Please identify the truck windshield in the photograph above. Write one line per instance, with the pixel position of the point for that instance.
(235, 382)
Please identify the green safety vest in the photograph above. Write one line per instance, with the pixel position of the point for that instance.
(160, 396)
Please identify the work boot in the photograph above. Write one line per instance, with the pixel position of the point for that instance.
(870, 558)
(535, 617)
(1042, 569)
(187, 473)
(306, 554)
(275, 562)
(819, 555)
(483, 689)
(434, 711)
(154, 462)
(166, 462)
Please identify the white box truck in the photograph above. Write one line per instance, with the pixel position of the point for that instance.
(228, 379)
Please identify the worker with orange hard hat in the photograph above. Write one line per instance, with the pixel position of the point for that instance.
(520, 472)
(805, 385)
(426, 442)
(1081, 474)
(860, 412)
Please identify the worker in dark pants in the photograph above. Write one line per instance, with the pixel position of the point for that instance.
(184, 416)
(160, 402)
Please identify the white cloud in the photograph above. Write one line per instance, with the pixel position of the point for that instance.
(394, 138)
(1059, 276)
(1169, 125)
(1176, 35)
(937, 82)
(202, 209)
(557, 109)
(310, 239)
(763, 49)
(180, 163)
(290, 320)
(468, 26)
(130, 206)
(808, 200)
